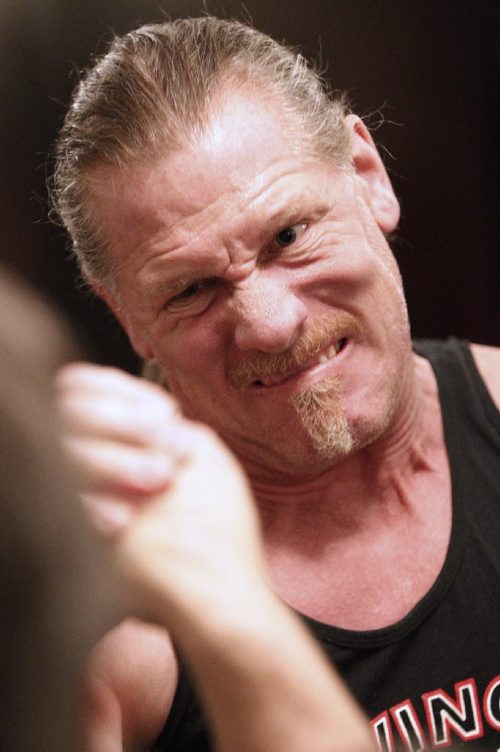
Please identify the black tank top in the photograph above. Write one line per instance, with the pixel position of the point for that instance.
(432, 679)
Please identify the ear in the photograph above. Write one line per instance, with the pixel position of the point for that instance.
(137, 339)
(370, 169)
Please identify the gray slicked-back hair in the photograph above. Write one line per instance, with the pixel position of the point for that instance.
(152, 92)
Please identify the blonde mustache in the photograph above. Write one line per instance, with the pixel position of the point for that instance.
(323, 332)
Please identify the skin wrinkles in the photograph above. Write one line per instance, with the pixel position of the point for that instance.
(326, 331)
(366, 510)
(269, 312)
(342, 267)
(413, 436)
(240, 187)
(165, 241)
(237, 272)
(211, 256)
(363, 534)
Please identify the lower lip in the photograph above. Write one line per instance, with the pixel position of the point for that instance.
(302, 376)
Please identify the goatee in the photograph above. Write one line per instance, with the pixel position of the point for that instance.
(320, 413)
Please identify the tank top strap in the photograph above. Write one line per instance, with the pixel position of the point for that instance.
(462, 391)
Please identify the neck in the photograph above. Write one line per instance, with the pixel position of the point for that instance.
(384, 509)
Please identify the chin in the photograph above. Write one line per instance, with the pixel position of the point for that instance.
(332, 433)
(322, 419)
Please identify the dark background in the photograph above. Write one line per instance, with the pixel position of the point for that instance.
(429, 70)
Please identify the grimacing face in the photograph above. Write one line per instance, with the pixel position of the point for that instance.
(260, 278)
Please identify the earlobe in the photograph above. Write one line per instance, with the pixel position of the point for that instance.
(138, 342)
(370, 169)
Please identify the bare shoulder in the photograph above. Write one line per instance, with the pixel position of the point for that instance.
(131, 679)
(487, 359)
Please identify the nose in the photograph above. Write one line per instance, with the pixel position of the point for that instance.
(268, 316)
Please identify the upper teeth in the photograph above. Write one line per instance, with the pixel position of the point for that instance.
(332, 351)
(324, 357)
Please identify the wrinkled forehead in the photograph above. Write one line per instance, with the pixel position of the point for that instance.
(245, 145)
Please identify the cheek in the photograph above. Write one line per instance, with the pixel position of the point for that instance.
(385, 267)
(391, 288)
(190, 356)
(340, 277)
(344, 254)
(364, 267)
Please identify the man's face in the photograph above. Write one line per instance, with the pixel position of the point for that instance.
(261, 281)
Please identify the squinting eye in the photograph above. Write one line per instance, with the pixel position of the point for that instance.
(192, 296)
(289, 235)
(188, 292)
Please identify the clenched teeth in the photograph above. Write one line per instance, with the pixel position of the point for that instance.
(332, 351)
(324, 357)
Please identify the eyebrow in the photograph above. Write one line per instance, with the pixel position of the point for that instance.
(300, 205)
(158, 289)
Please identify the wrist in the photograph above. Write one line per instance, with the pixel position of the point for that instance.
(244, 610)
